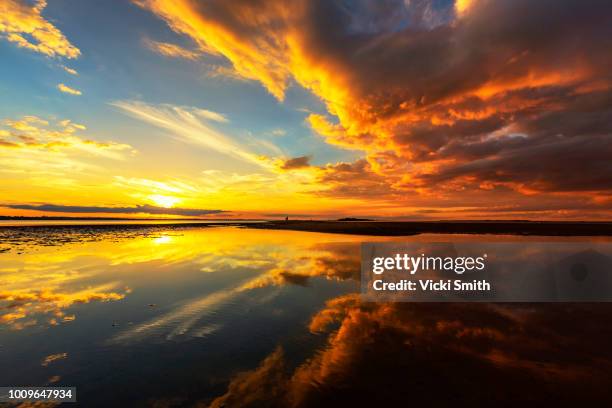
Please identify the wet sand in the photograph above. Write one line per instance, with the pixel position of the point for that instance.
(17, 237)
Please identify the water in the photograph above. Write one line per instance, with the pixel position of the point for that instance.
(237, 317)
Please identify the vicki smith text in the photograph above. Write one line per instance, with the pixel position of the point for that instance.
(432, 285)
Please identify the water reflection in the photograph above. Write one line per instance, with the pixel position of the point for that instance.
(438, 354)
(237, 317)
(47, 280)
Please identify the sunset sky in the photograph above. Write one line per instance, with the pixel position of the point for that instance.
(413, 109)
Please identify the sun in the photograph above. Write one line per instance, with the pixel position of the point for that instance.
(164, 201)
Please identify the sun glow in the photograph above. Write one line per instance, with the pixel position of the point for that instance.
(462, 6)
(163, 200)
(164, 239)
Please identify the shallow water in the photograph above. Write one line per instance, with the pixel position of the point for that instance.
(239, 317)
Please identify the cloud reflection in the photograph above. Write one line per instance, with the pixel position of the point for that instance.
(410, 352)
(275, 268)
(20, 306)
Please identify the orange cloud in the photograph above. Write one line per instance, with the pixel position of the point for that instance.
(259, 60)
(36, 134)
(24, 25)
(265, 383)
(463, 6)
(426, 90)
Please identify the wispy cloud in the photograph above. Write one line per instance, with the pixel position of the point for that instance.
(69, 70)
(191, 125)
(170, 50)
(172, 186)
(66, 89)
(224, 72)
(32, 133)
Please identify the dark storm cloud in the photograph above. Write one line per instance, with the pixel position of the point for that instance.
(506, 85)
(296, 163)
(567, 164)
(353, 179)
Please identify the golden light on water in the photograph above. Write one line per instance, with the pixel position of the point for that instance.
(164, 239)
(39, 284)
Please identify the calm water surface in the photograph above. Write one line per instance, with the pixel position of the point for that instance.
(226, 316)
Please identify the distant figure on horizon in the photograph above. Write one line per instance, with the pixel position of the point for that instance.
(287, 218)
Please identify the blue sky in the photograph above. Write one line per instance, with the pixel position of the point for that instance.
(116, 65)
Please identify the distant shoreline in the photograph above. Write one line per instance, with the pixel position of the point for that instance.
(372, 228)
(406, 228)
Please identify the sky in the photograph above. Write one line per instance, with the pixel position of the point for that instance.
(413, 109)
